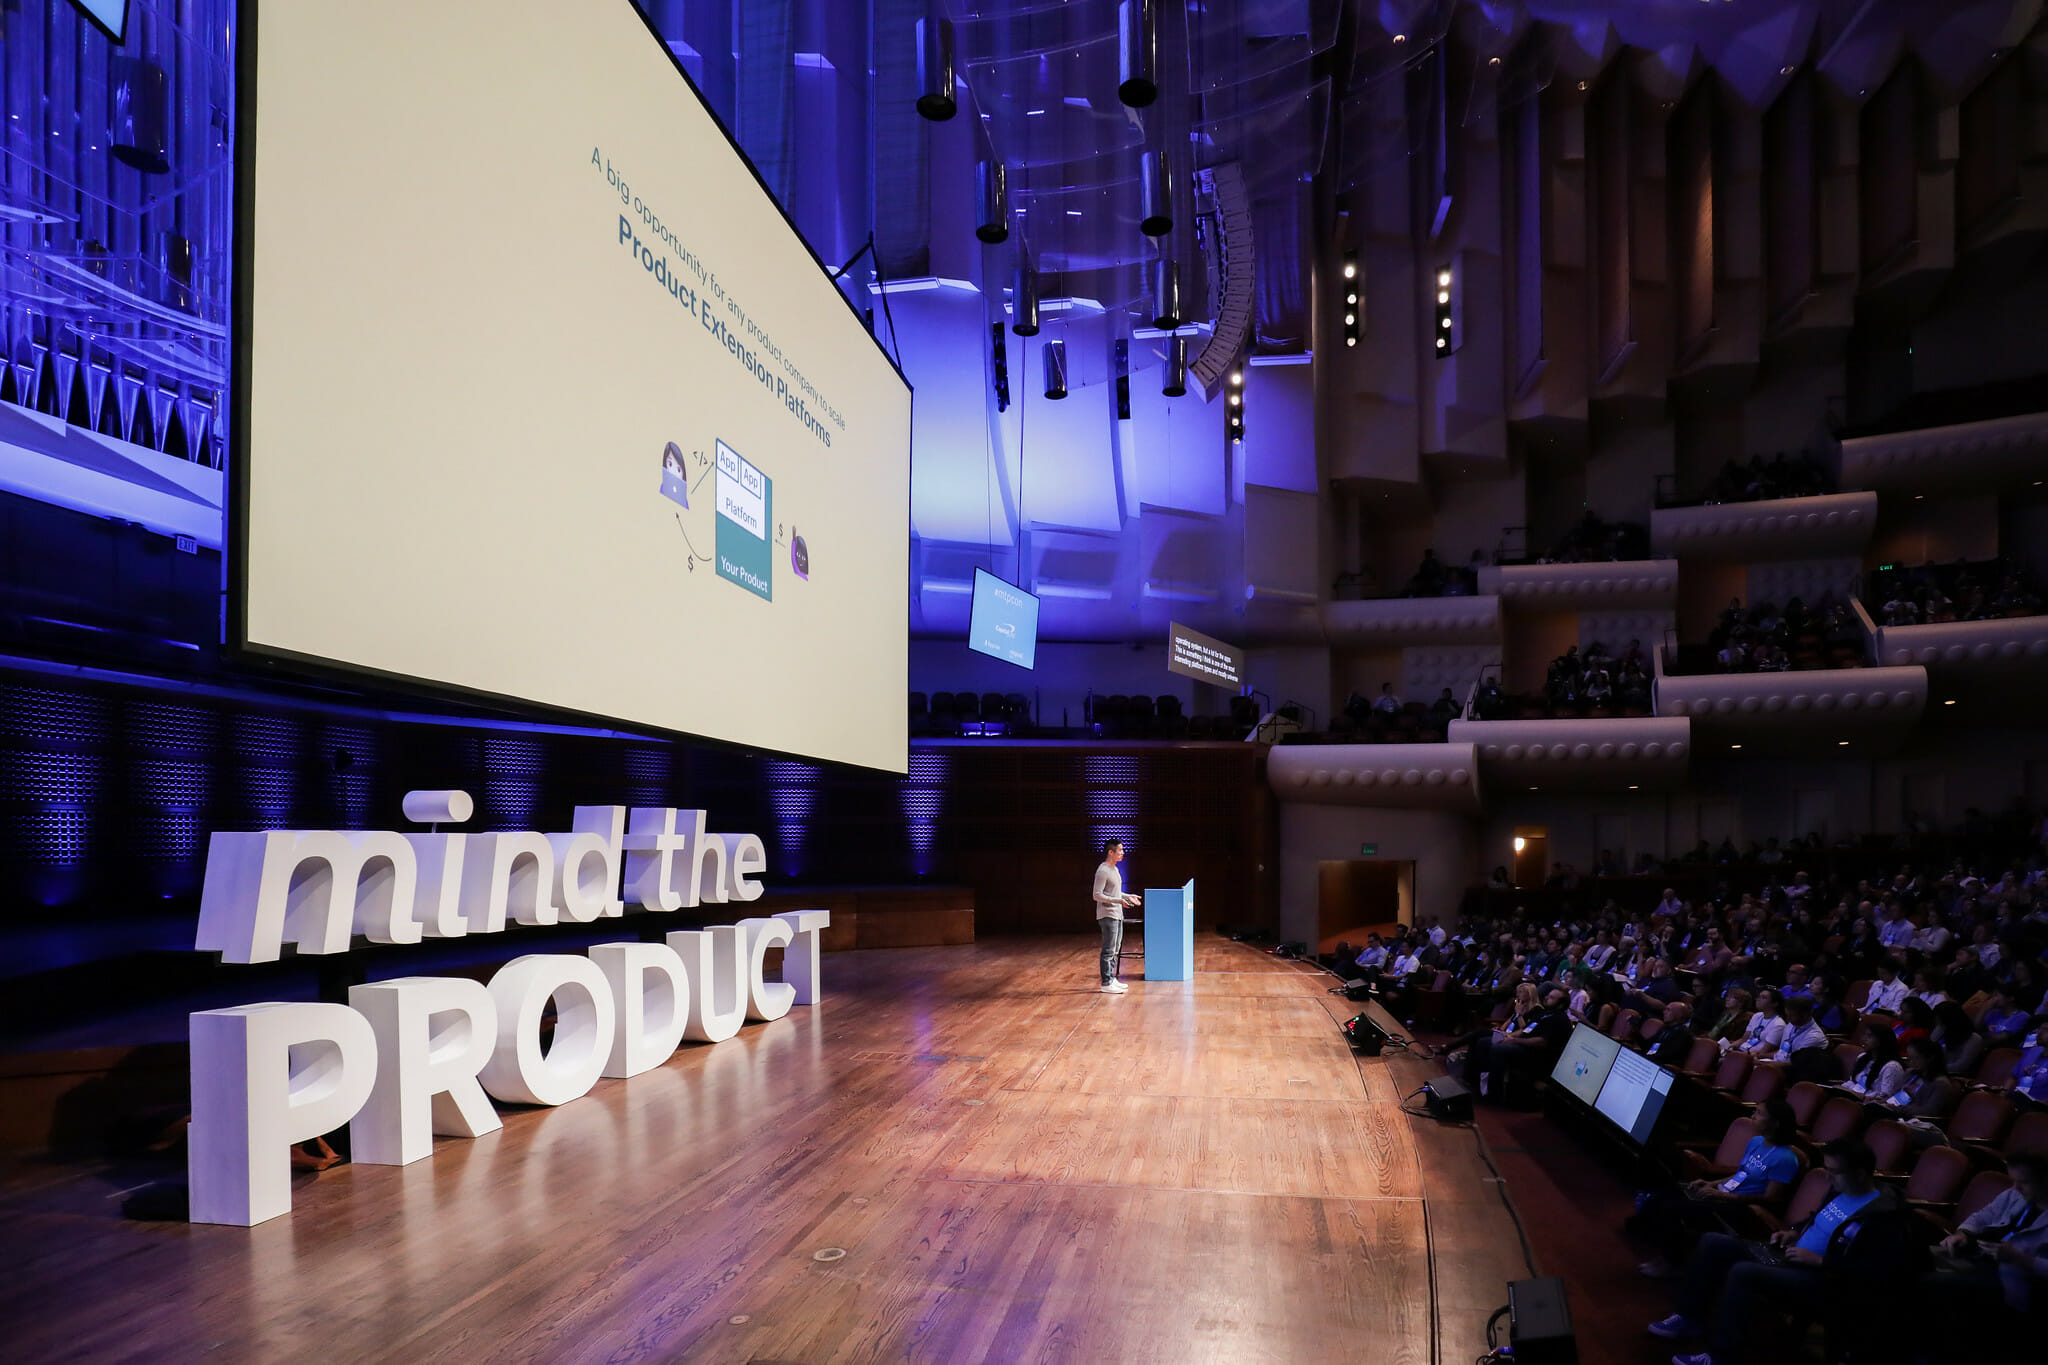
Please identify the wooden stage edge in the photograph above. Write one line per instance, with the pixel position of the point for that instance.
(965, 1153)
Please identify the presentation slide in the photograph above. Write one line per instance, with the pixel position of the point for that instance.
(543, 398)
(1194, 655)
(1582, 1068)
(1004, 621)
(1634, 1094)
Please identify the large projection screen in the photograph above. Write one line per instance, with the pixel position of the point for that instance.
(539, 394)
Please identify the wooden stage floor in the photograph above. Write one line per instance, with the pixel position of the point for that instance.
(1015, 1166)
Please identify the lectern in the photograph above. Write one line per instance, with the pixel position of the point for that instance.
(1170, 932)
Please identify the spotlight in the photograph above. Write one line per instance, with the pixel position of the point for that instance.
(992, 190)
(935, 68)
(1175, 384)
(1350, 269)
(1053, 355)
(1233, 411)
(1520, 842)
(1155, 194)
(1137, 53)
(1237, 377)
(1165, 294)
(1024, 303)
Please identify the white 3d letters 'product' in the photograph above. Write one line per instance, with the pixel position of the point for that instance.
(584, 1019)
(434, 1034)
(263, 1078)
(800, 967)
(766, 999)
(715, 960)
(651, 992)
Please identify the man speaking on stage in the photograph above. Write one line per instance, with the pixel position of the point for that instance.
(1110, 901)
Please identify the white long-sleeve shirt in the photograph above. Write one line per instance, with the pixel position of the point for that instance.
(1887, 995)
(1109, 892)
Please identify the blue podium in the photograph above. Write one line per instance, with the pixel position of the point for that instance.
(1170, 932)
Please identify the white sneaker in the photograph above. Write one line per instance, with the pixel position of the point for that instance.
(1115, 988)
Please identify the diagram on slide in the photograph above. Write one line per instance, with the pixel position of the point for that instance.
(744, 539)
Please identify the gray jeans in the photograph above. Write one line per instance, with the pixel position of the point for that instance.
(1112, 944)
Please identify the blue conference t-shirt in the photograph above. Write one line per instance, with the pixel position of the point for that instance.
(1762, 1164)
(1832, 1215)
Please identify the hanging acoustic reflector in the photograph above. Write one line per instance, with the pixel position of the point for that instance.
(1024, 303)
(1137, 53)
(1175, 385)
(935, 69)
(142, 112)
(1053, 355)
(1165, 294)
(992, 193)
(1155, 194)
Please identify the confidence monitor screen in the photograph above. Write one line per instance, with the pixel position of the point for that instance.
(1003, 622)
(543, 397)
(1633, 1095)
(1583, 1065)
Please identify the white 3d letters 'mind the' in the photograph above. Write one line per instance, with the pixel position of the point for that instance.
(584, 1019)
(715, 960)
(316, 887)
(438, 907)
(652, 842)
(651, 993)
(744, 857)
(434, 1034)
(800, 960)
(263, 1078)
(587, 863)
(766, 999)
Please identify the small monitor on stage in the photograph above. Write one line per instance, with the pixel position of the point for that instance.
(1634, 1095)
(1587, 1058)
(1004, 622)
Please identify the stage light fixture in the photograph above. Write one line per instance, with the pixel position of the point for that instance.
(1137, 53)
(1520, 842)
(992, 191)
(1233, 411)
(1155, 194)
(1353, 292)
(999, 354)
(1446, 306)
(935, 74)
(1175, 385)
(1053, 356)
(1024, 302)
(1166, 294)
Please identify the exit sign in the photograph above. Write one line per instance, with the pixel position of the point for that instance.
(1368, 850)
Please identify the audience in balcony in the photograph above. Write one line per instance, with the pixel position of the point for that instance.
(1434, 578)
(1765, 639)
(1958, 591)
(1801, 475)
(1595, 540)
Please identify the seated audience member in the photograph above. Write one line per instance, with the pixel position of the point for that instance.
(1374, 959)
(1445, 708)
(1925, 1095)
(1929, 985)
(1526, 1046)
(1881, 1073)
(1737, 1005)
(2004, 1023)
(1916, 1020)
(1800, 1033)
(1765, 1029)
(1858, 1247)
(1499, 880)
(1990, 1282)
(1962, 1047)
(1888, 992)
(2029, 1082)
(1386, 703)
(1674, 1041)
(1659, 991)
(1668, 1219)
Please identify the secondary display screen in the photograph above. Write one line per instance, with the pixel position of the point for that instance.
(1195, 655)
(1583, 1065)
(543, 397)
(110, 15)
(1633, 1095)
(1004, 621)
